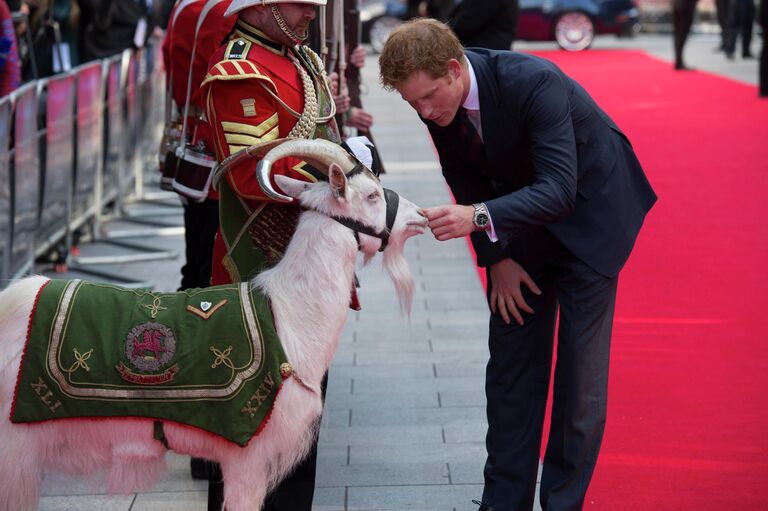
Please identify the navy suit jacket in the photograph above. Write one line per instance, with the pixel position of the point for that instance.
(552, 158)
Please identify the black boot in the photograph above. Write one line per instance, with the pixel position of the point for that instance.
(483, 507)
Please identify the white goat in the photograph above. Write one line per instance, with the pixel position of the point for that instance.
(309, 291)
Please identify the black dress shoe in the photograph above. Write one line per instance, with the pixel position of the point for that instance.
(747, 56)
(483, 507)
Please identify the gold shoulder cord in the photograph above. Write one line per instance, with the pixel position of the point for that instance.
(309, 118)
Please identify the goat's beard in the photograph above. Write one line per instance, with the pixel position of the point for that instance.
(400, 272)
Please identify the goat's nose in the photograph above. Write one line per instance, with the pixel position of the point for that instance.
(421, 212)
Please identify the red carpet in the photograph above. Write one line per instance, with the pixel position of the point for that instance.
(688, 409)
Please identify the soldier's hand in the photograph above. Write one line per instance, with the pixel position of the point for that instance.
(333, 81)
(359, 118)
(357, 57)
(342, 103)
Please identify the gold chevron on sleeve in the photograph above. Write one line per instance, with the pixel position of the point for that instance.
(235, 148)
(241, 128)
(300, 169)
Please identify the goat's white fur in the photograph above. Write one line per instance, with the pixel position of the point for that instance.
(309, 291)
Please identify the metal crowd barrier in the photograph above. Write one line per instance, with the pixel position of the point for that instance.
(77, 151)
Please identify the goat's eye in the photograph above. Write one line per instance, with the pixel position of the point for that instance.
(373, 196)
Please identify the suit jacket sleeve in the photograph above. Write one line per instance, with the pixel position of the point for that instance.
(543, 107)
(468, 187)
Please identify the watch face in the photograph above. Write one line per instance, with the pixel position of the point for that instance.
(481, 220)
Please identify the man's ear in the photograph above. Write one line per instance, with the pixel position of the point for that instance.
(455, 69)
(290, 186)
(338, 181)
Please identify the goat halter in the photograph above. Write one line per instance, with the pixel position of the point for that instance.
(392, 200)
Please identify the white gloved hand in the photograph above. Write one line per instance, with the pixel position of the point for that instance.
(361, 148)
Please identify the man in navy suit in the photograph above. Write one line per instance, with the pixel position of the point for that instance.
(553, 197)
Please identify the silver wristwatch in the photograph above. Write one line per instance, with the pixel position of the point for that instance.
(481, 219)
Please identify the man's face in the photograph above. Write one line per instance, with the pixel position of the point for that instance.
(435, 99)
(298, 16)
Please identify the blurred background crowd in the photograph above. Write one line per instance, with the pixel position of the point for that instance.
(42, 37)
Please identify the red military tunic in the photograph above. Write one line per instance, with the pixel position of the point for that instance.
(181, 38)
(239, 93)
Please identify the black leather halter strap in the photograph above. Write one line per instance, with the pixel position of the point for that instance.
(392, 200)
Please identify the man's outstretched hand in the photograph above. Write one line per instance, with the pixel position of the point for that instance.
(448, 222)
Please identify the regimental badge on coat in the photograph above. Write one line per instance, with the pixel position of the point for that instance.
(249, 107)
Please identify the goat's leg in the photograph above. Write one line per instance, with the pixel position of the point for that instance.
(20, 469)
(136, 466)
(245, 488)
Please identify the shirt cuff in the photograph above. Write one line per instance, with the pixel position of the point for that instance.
(491, 232)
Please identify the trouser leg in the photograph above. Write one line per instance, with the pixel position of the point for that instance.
(580, 394)
(517, 382)
(201, 221)
(764, 64)
(747, 22)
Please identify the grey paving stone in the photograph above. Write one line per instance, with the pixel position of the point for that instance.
(474, 396)
(414, 498)
(335, 418)
(409, 371)
(471, 342)
(384, 474)
(438, 358)
(382, 399)
(461, 369)
(399, 387)
(467, 472)
(432, 453)
(379, 435)
(416, 416)
(86, 503)
(332, 455)
(173, 501)
(329, 499)
(386, 344)
(463, 432)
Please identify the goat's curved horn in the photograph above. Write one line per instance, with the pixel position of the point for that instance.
(318, 153)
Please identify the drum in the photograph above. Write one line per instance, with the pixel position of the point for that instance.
(194, 172)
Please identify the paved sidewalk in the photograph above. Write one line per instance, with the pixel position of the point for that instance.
(404, 421)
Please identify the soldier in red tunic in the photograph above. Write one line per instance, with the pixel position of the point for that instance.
(261, 85)
(196, 28)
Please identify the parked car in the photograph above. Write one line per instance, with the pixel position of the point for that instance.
(573, 24)
(378, 18)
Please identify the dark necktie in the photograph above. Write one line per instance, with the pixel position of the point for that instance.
(469, 137)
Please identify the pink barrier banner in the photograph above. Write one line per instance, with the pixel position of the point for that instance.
(113, 157)
(5, 184)
(89, 138)
(26, 172)
(59, 160)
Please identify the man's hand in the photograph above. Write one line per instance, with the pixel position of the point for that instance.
(359, 118)
(357, 56)
(342, 101)
(507, 278)
(448, 222)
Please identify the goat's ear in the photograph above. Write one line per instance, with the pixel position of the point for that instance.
(338, 181)
(290, 186)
